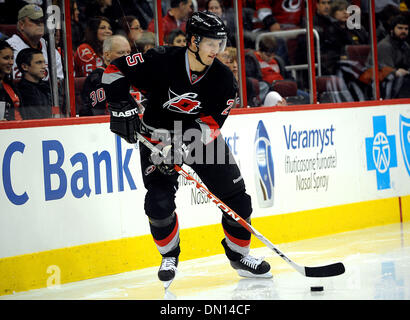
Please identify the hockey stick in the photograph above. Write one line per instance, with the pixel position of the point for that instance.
(330, 270)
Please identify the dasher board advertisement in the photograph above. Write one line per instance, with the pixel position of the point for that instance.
(70, 185)
(301, 160)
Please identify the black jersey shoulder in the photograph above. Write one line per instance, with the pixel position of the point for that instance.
(164, 53)
(96, 75)
(223, 75)
(222, 69)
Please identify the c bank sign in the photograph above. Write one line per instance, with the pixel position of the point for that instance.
(57, 181)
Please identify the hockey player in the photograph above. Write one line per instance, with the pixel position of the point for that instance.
(187, 88)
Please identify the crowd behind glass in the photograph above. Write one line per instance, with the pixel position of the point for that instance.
(275, 51)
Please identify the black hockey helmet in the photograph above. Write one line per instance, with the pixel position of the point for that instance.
(206, 24)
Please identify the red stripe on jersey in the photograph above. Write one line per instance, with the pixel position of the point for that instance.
(213, 125)
(239, 242)
(197, 79)
(112, 69)
(167, 240)
(156, 142)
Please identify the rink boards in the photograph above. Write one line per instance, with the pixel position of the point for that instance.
(72, 198)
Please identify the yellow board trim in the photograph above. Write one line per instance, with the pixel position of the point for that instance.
(42, 269)
(405, 208)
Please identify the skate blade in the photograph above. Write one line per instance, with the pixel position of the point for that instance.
(168, 295)
(167, 283)
(247, 274)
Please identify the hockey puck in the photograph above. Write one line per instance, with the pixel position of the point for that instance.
(316, 289)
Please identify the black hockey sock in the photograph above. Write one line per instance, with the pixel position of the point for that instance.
(232, 255)
(166, 235)
(234, 229)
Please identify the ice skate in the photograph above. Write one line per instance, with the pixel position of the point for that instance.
(167, 270)
(247, 266)
(251, 267)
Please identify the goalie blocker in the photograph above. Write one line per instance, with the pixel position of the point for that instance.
(124, 120)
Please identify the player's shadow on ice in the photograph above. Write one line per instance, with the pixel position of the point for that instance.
(255, 289)
(246, 289)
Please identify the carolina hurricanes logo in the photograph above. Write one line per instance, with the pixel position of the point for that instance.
(149, 169)
(184, 103)
(86, 55)
(99, 62)
(291, 5)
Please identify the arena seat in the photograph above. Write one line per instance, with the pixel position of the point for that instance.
(332, 89)
(359, 52)
(8, 29)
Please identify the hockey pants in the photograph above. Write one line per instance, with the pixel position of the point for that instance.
(223, 180)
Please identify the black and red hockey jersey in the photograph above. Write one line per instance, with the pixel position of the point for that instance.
(163, 75)
(93, 95)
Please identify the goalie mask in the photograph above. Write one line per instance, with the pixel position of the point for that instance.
(209, 32)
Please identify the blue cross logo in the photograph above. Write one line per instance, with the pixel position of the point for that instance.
(381, 152)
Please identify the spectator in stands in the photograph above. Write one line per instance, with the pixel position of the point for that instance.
(256, 89)
(228, 16)
(175, 18)
(338, 35)
(141, 9)
(9, 99)
(177, 38)
(268, 61)
(379, 5)
(129, 26)
(30, 32)
(264, 64)
(321, 19)
(394, 52)
(287, 13)
(98, 8)
(146, 42)
(216, 7)
(383, 20)
(271, 25)
(229, 58)
(35, 92)
(77, 32)
(88, 55)
(321, 22)
(93, 95)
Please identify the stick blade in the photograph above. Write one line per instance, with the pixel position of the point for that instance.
(330, 270)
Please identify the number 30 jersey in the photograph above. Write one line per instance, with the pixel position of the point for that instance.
(93, 95)
(173, 93)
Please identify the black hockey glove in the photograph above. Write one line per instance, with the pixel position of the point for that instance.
(124, 120)
(171, 156)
